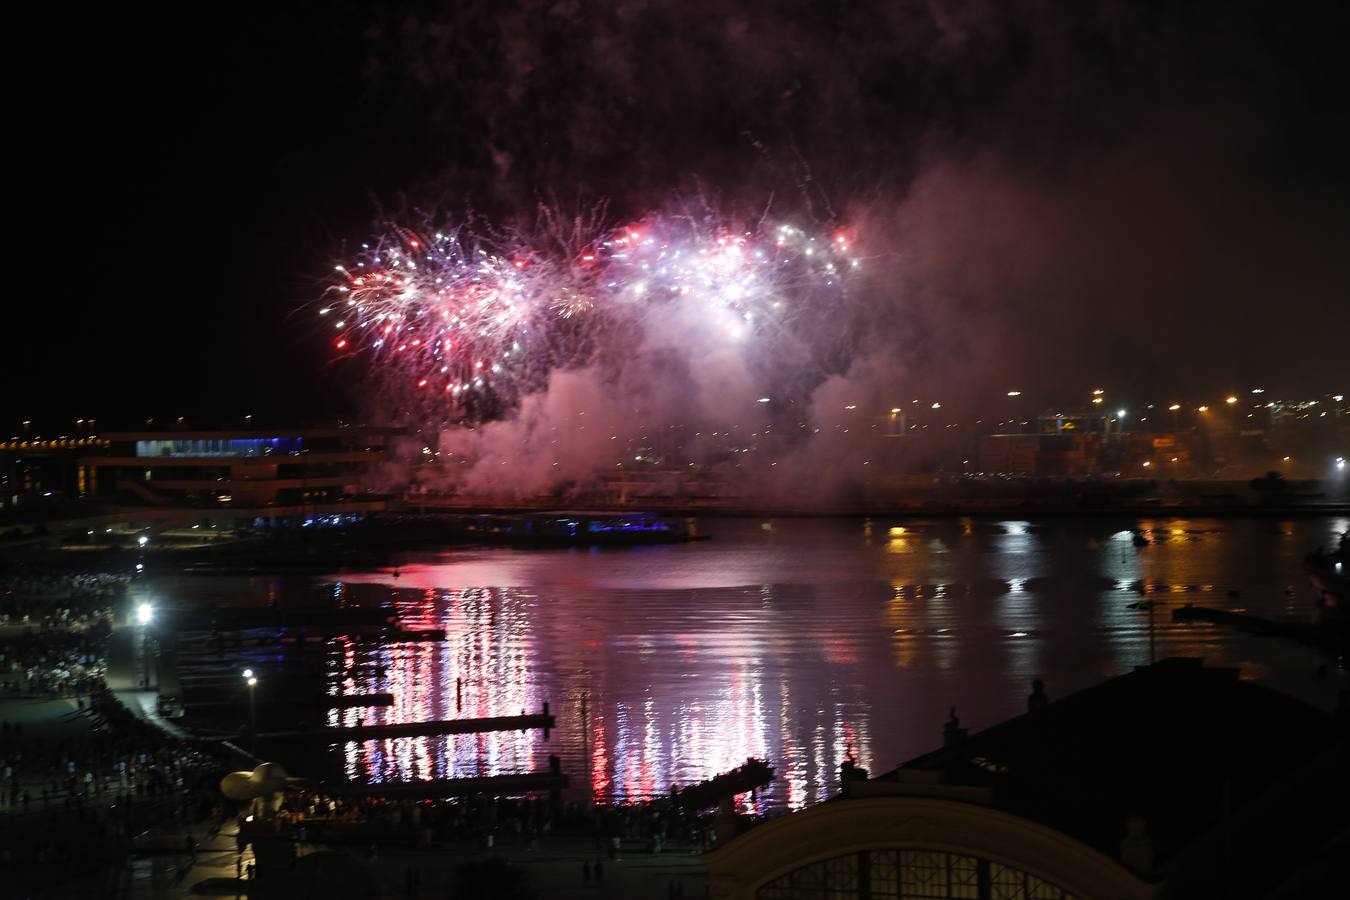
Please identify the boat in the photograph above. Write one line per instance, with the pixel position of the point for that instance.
(577, 528)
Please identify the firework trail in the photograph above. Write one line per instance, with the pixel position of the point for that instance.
(476, 317)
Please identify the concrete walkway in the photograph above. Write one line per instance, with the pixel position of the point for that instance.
(127, 675)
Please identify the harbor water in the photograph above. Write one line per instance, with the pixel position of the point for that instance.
(799, 641)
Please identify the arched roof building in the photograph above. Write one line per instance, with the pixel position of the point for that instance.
(1173, 781)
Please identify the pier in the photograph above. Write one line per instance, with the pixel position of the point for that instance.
(754, 774)
(495, 785)
(1322, 637)
(523, 722)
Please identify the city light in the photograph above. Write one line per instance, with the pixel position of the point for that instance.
(937, 406)
(144, 613)
(142, 540)
(895, 410)
(1014, 393)
(248, 673)
(252, 682)
(1202, 409)
(1174, 407)
(1120, 414)
(1231, 400)
(1258, 390)
(1340, 463)
(1098, 392)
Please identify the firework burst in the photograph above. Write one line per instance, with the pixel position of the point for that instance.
(466, 315)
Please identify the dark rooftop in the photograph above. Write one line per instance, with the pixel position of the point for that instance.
(1175, 743)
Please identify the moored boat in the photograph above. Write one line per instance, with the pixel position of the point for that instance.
(577, 528)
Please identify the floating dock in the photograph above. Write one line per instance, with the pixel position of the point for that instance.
(522, 722)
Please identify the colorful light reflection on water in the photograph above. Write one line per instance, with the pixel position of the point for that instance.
(637, 711)
(802, 644)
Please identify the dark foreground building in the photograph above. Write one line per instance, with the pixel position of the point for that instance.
(1174, 781)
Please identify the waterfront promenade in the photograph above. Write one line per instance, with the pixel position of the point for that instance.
(81, 826)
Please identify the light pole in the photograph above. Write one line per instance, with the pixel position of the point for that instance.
(252, 683)
(145, 614)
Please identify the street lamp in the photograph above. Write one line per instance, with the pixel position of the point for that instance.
(252, 683)
(145, 614)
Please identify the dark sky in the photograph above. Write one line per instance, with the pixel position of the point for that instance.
(1157, 191)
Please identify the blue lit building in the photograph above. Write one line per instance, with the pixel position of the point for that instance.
(238, 469)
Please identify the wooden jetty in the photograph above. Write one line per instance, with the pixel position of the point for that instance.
(322, 701)
(497, 785)
(240, 618)
(522, 722)
(1315, 635)
(755, 773)
(298, 635)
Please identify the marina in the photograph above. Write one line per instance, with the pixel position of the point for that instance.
(644, 654)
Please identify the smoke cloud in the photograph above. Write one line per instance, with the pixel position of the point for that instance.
(1047, 199)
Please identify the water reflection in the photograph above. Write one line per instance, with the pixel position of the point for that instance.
(803, 642)
(639, 708)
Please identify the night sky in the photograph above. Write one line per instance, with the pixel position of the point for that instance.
(1152, 196)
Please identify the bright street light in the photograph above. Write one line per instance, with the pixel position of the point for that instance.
(252, 683)
(1231, 400)
(142, 540)
(1174, 407)
(1014, 393)
(1120, 414)
(144, 613)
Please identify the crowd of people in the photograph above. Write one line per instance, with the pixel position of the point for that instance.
(80, 778)
(53, 632)
(54, 662)
(56, 646)
(44, 600)
(491, 822)
(118, 776)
